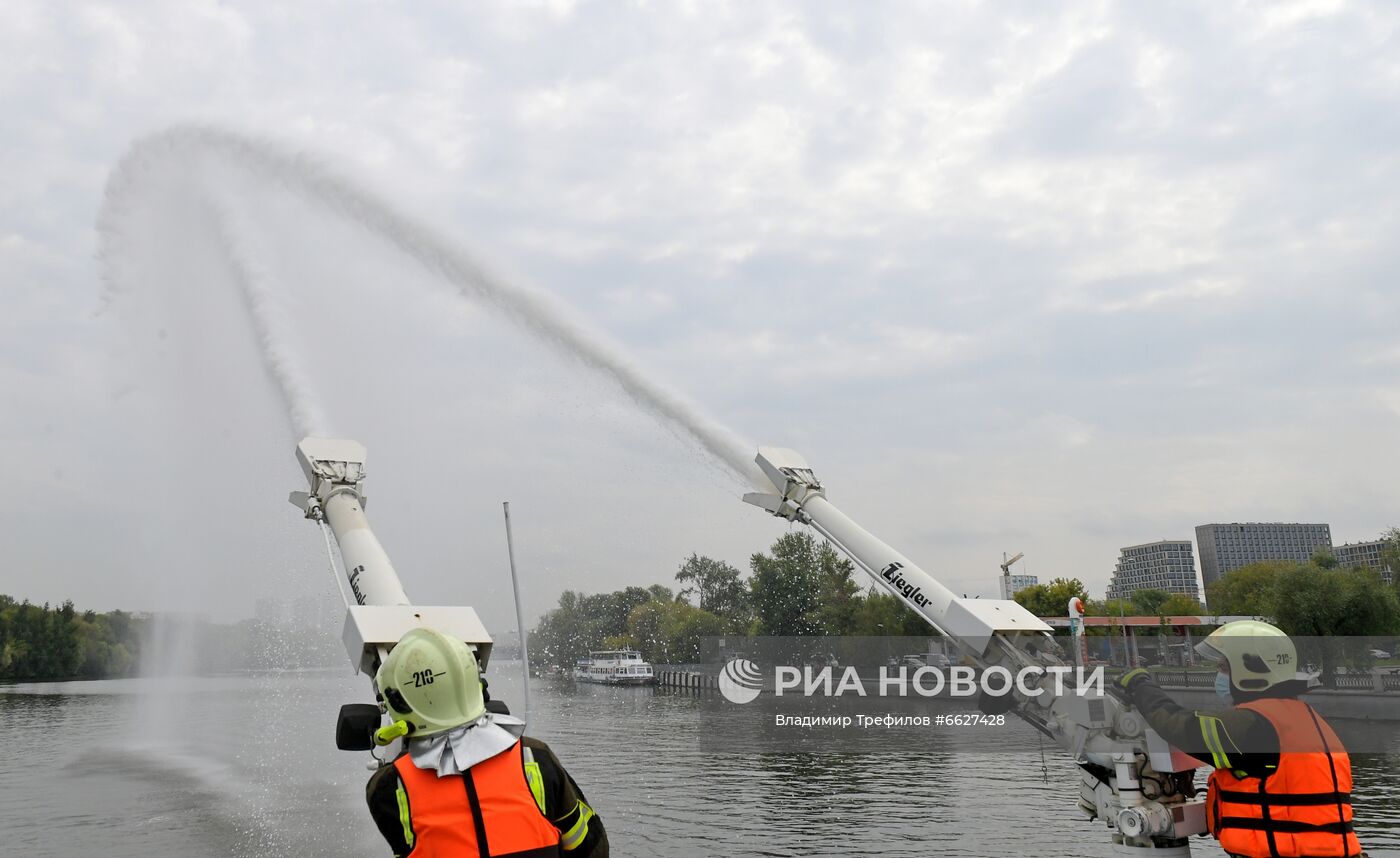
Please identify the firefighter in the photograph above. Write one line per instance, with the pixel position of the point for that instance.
(1282, 781)
(469, 784)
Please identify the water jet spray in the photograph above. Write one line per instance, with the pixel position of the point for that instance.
(199, 151)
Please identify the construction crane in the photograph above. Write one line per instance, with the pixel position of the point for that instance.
(1116, 750)
(1007, 591)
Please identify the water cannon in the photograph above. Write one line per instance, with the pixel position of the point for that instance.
(378, 611)
(973, 623)
(794, 480)
(1111, 742)
(335, 473)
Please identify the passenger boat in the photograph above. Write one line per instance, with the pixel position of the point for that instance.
(614, 667)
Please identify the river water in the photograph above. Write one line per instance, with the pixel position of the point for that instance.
(246, 766)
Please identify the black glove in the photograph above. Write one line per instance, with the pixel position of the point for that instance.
(1124, 686)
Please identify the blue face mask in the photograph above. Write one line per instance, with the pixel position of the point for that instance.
(1222, 688)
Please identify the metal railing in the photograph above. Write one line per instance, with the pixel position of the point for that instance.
(1354, 680)
(1178, 678)
(1184, 678)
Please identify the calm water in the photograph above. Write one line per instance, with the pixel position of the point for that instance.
(246, 766)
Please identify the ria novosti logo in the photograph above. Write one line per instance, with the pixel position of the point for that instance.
(740, 681)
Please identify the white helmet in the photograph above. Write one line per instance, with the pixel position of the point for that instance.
(1260, 656)
(431, 681)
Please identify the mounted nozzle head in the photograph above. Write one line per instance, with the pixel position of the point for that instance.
(331, 466)
(793, 479)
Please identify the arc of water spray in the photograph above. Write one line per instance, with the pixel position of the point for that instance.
(421, 242)
(279, 358)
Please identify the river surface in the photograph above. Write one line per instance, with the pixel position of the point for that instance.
(246, 766)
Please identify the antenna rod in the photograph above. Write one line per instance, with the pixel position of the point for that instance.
(519, 615)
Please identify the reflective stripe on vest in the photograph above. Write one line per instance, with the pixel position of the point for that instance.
(1302, 808)
(579, 830)
(405, 818)
(488, 812)
(534, 777)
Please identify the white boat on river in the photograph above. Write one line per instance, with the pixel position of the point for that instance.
(614, 667)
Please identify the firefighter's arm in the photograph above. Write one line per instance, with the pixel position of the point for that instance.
(1228, 738)
(581, 831)
(388, 804)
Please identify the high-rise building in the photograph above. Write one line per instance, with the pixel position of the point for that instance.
(1365, 554)
(1013, 584)
(1226, 547)
(1166, 565)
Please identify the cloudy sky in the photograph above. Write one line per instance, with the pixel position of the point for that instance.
(1052, 278)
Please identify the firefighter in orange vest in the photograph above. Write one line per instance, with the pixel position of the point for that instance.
(469, 784)
(1282, 781)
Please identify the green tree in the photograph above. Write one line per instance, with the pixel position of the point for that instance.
(1313, 607)
(1332, 614)
(581, 623)
(1149, 600)
(565, 634)
(1390, 553)
(719, 587)
(43, 642)
(840, 596)
(1108, 608)
(1180, 604)
(881, 613)
(1372, 609)
(672, 632)
(1249, 590)
(685, 627)
(611, 610)
(1051, 600)
(1323, 558)
(66, 640)
(646, 627)
(785, 589)
(619, 642)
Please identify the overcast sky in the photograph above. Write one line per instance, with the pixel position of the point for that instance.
(1052, 278)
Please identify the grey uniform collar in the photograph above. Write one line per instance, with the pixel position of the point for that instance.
(460, 748)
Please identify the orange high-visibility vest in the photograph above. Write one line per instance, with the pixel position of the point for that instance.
(487, 812)
(1303, 808)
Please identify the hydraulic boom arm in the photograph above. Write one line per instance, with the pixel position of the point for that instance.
(381, 613)
(1111, 742)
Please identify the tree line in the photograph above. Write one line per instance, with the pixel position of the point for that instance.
(1314, 598)
(43, 642)
(799, 587)
(1052, 600)
(1334, 615)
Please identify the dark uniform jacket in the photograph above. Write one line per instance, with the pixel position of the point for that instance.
(564, 806)
(1245, 738)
